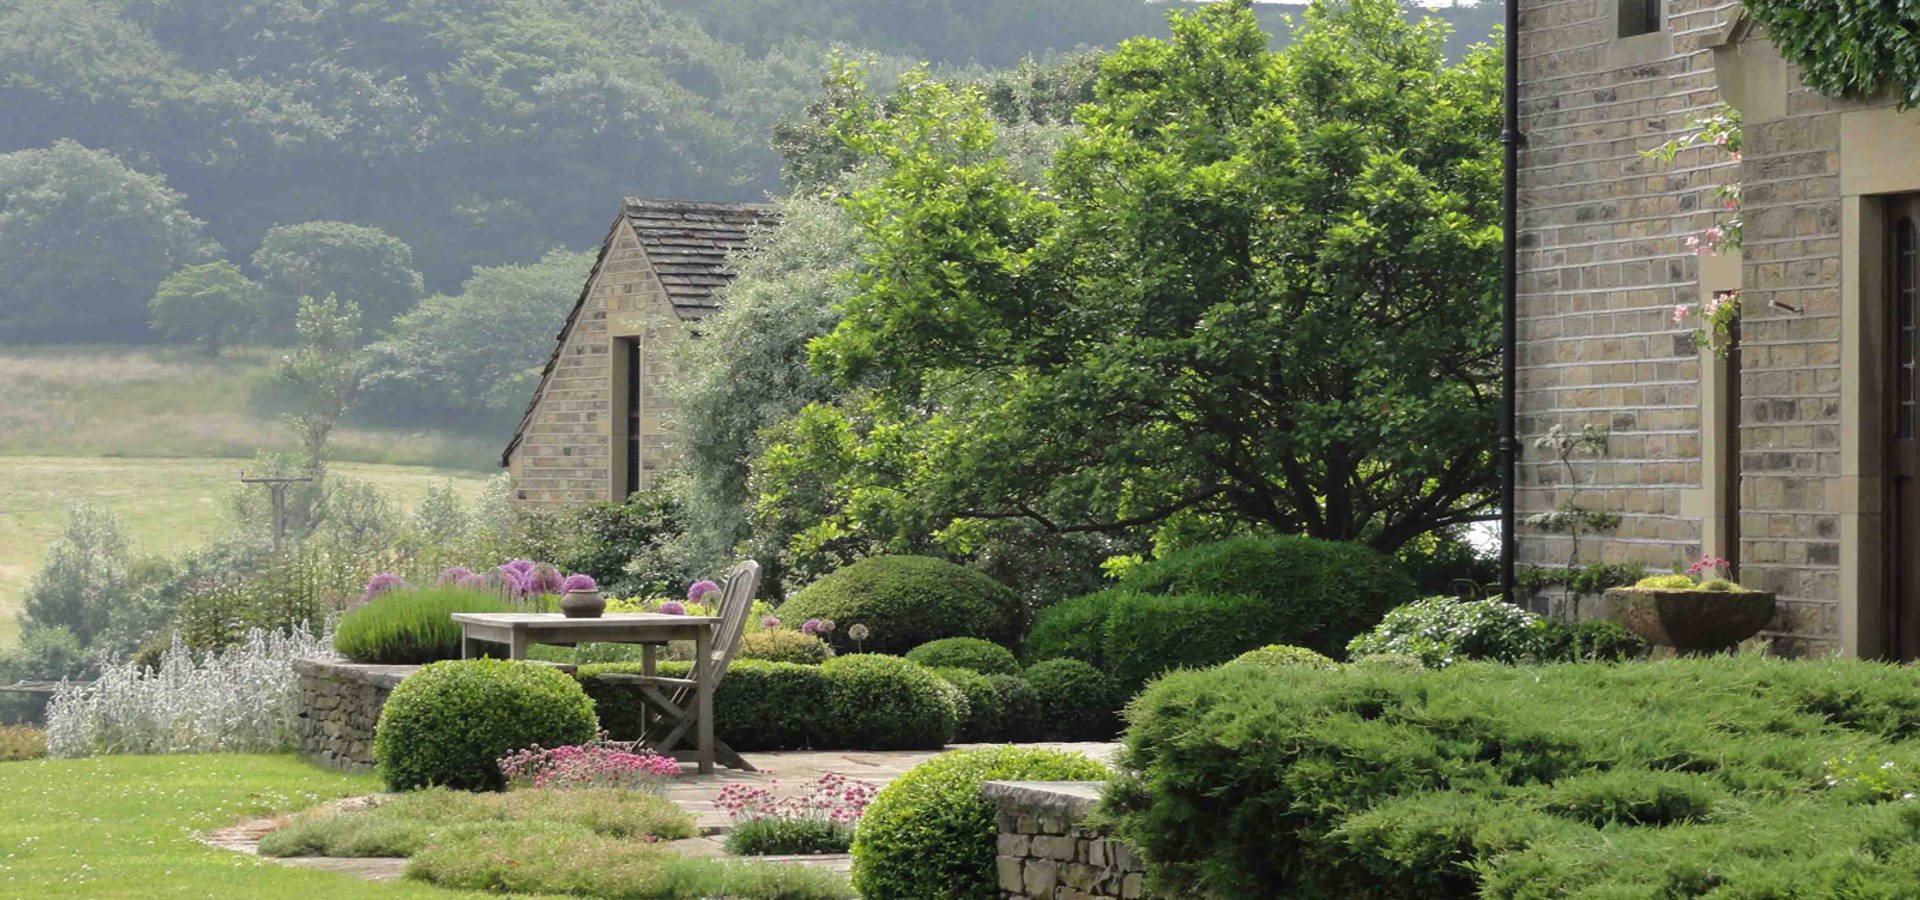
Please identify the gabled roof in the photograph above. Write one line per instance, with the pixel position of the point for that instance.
(686, 242)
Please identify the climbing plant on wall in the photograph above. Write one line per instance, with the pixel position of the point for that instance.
(1720, 130)
(1848, 48)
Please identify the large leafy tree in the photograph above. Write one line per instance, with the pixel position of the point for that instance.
(83, 241)
(1258, 289)
(358, 264)
(478, 352)
(210, 305)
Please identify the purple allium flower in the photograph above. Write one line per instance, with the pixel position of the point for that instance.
(578, 582)
(517, 566)
(769, 622)
(673, 608)
(471, 582)
(810, 626)
(380, 584)
(699, 589)
(547, 579)
(455, 576)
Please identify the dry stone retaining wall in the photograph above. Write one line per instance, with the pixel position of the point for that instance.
(1046, 850)
(339, 706)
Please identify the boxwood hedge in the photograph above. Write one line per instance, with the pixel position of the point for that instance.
(906, 601)
(448, 723)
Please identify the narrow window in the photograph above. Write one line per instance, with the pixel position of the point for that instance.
(633, 418)
(1639, 17)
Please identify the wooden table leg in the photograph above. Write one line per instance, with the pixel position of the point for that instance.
(647, 715)
(703, 690)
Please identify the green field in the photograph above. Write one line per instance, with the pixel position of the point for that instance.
(127, 826)
(146, 402)
(169, 505)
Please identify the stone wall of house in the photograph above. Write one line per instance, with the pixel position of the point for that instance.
(573, 449)
(1603, 263)
(339, 706)
(1046, 851)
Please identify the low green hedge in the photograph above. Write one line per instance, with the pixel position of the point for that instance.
(985, 657)
(448, 723)
(1439, 631)
(1074, 628)
(851, 703)
(1726, 777)
(1207, 604)
(928, 834)
(906, 601)
(985, 715)
(1074, 701)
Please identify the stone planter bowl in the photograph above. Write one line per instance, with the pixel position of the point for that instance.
(582, 604)
(1691, 621)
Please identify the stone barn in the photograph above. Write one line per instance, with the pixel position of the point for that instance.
(596, 427)
(1794, 454)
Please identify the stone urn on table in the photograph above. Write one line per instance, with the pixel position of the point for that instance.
(580, 598)
(1690, 621)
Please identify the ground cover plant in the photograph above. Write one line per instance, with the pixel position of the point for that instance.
(1707, 777)
(820, 820)
(127, 827)
(408, 823)
(580, 863)
(928, 834)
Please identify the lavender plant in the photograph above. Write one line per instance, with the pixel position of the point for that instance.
(243, 699)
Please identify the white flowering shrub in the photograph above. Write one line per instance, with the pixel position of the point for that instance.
(1440, 630)
(240, 700)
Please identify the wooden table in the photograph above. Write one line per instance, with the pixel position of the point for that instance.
(519, 630)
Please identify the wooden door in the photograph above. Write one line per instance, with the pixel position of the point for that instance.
(1903, 449)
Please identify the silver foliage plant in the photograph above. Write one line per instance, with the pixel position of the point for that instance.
(243, 699)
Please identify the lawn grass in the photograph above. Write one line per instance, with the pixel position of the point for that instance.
(125, 827)
(169, 505)
(93, 400)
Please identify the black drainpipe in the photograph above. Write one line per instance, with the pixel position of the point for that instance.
(1511, 141)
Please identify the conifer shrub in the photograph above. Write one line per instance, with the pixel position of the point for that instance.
(1722, 777)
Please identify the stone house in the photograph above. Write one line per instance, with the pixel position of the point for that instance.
(597, 425)
(1794, 456)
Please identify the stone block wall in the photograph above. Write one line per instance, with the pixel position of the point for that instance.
(339, 706)
(566, 454)
(1603, 263)
(1046, 851)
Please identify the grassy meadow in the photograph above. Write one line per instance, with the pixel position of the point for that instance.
(83, 400)
(160, 436)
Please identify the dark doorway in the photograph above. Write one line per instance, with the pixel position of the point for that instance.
(1903, 450)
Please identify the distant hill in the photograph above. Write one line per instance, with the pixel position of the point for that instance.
(484, 131)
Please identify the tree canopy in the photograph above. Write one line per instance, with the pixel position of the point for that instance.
(83, 240)
(1257, 290)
